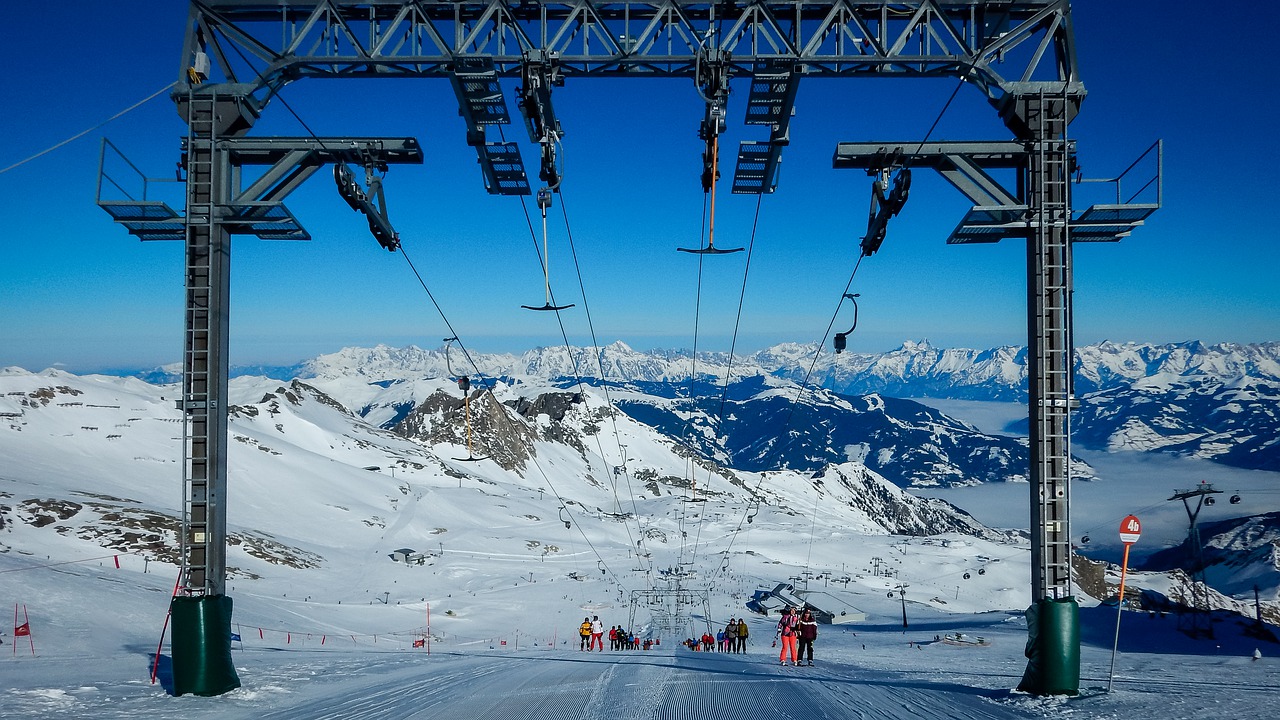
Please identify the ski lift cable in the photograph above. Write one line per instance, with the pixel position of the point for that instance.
(863, 254)
(737, 324)
(604, 385)
(581, 388)
(503, 410)
(462, 346)
(82, 133)
(813, 522)
(564, 334)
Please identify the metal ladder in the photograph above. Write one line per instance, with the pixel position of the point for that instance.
(1050, 277)
(196, 370)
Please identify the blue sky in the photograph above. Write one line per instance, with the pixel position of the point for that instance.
(78, 292)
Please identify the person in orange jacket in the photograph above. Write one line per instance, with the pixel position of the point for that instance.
(787, 634)
(584, 633)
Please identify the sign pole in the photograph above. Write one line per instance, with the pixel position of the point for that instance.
(1130, 531)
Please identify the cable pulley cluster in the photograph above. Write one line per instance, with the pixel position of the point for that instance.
(363, 202)
(886, 202)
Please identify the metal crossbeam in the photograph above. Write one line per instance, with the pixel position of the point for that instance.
(994, 45)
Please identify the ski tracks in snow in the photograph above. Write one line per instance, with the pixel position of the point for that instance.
(638, 686)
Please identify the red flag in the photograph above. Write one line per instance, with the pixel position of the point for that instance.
(22, 630)
(117, 557)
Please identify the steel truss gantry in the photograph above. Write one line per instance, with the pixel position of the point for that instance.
(238, 54)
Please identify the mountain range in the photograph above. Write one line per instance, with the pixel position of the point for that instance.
(1216, 402)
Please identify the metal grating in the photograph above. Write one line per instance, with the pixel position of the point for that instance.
(988, 224)
(751, 176)
(475, 80)
(266, 220)
(503, 169)
(773, 90)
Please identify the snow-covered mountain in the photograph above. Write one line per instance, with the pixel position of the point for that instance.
(1234, 422)
(1239, 554)
(916, 369)
(767, 422)
(93, 460)
(1216, 402)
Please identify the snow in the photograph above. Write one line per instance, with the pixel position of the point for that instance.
(320, 642)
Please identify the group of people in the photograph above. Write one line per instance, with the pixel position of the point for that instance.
(796, 632)
(591, 637)
(733, 638)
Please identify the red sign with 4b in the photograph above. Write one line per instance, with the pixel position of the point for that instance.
(1130, 530)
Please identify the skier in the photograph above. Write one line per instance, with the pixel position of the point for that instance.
(742, 635)
(808, 633)
(584, 634)
(731, 635)
(597, 634)
(613, 637)
(787, 634)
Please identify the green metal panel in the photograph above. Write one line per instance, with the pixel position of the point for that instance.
(202, 646)
(1053, 648)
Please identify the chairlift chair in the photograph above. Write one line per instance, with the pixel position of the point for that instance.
(564, 519)
(840, 340)
(1235, 499)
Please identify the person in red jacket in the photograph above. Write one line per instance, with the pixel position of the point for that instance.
(808, 632)
(787, 634)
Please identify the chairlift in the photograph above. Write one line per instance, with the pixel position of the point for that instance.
(966, 575)
(1235, 499)
(600, 564)
(464, 384)
(1209, 500)
(753, 509)
(1084, 540)
(564, 518)
(840, 340)
(544, 202)
(982, 571)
